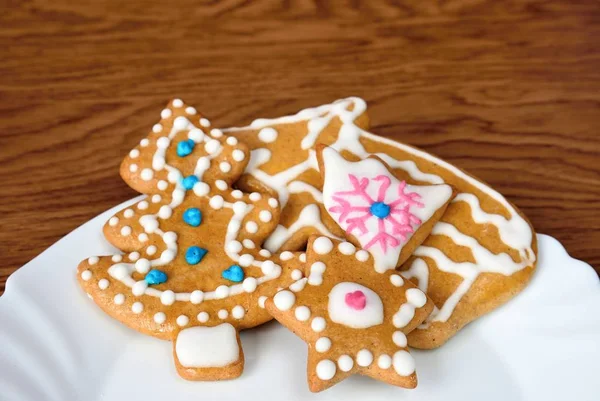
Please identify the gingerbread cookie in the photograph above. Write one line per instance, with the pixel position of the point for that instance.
(480, 254)
(381, 214)
(354, 319)
(194, 272)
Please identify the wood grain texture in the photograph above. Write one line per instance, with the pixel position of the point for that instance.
(508, 90)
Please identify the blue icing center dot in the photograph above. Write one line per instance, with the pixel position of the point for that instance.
(155, 277)
(234, 273)
(193, 216)
(194, 255)
(380, 209)
(189, 181)
(184, 148)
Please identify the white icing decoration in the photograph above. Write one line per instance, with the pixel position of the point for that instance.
(296, 274)
(364, 358)
(119, 299)
(284, 300)
(162, 185)
(261, 301)
(134, 153)
(400, 339)
(128, 213)
(86, 275)
(160, 318)
(251, 227)
(384, 361)
(182, 320)
(156, 198)
(139, 288)
(362, 255)
(323, 344)
(342, 313)
(318, 324)
(347, 248)
(196, 297)
(113, 221)
(204, 122)
(202, 317)
(144, 142)
(221, 185)
(404, 363)
(103, 284)
(267, 135)
(237, 194)
(248, 243)
(238, 155)
(190, 110)
(322, 245)
(92, 260)
(238, 312)
(316, 273)
(298, 285)
(232, 141)
(207, 347)
(147, 174)
(249, 284)
(133, 256)
(216, 133)
(273, 202)
(133, 167)
(117, 258)
(302, 258)
(264, 253)
(415, 298)
(151, 250)
(265, 216)
(166, 113)
(326, 369)
(137, 308)
(167, 297)
(177, 103)
(225, 167)
(286, 255)
(396, 280)
(222, 314)
(345, 363)
(156, 128)
(302, 313)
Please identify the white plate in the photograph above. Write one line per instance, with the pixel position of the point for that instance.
(55, 344)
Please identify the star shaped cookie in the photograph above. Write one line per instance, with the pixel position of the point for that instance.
(354, 319)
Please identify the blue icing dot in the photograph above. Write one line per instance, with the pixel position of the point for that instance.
(184, 148)
(155, 277)
(194, 255)
(189, 181)
(234, 273)
(193, 216)
(380, 209)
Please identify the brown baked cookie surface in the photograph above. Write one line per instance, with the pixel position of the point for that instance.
(480, 253)
(193, 271)
(354, 319)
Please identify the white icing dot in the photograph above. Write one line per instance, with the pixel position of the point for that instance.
(143, 237)
(261, 301)
(204, 122)
(86, 275)
(345, 363)
(125, 230)
(221, 292)
(267, 135)
(133, 167)
(147, 174)
(113, 221)
(265, 216)
(234, 246)
(133, 256)
(296, 274)
(416, 297)
(137, 307)
(156, 198)
(248, 243)
(249, 284)
(286, 255)
(238, 155)
(238, 312)
(143, 205)
(165, 212)
(326, 369)
(167, 297)
(220, 184)
(364, 357)
(284, 300)
(156, 128)
(322, 245)
(396, 280)
(302, 257)
(119, 299)
(216, 202)
(170, 237)
(134, 153)
(182, 320)
(177, 103)
(216, 133)
(144, 142)
(93, 260)
(251, 227)
(347, 248)
(142, 265)
(302, 313)
(162, 185)
(117, 258)
(190, 110)
(222, 314)
(196, 297)
(160, 318)
(202, 317)
(362, 255)
(246, 260)
(237, 194)
(384, 361)
(211, 146)
(119, 272)
(298, 285)
(196, 135)
(267, 267)
(316, 273)
(318, 324)
(151, 250)
(323, 344)
(255, 196)
(400, 339)
(166, 113)
(139, 288)
(128, 213)
(201, 189)
(264, 253)
(273, 202)
(225, 167)
(404, 363)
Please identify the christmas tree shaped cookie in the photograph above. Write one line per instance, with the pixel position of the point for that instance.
(385, 216)
(193, 271)
(354, 319)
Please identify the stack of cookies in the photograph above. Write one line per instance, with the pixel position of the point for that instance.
(360, 245)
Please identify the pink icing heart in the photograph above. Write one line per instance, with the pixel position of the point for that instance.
(356, 300)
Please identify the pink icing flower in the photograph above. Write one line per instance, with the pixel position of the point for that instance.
(394, 219)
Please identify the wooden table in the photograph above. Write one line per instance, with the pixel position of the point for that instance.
(508, 90)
